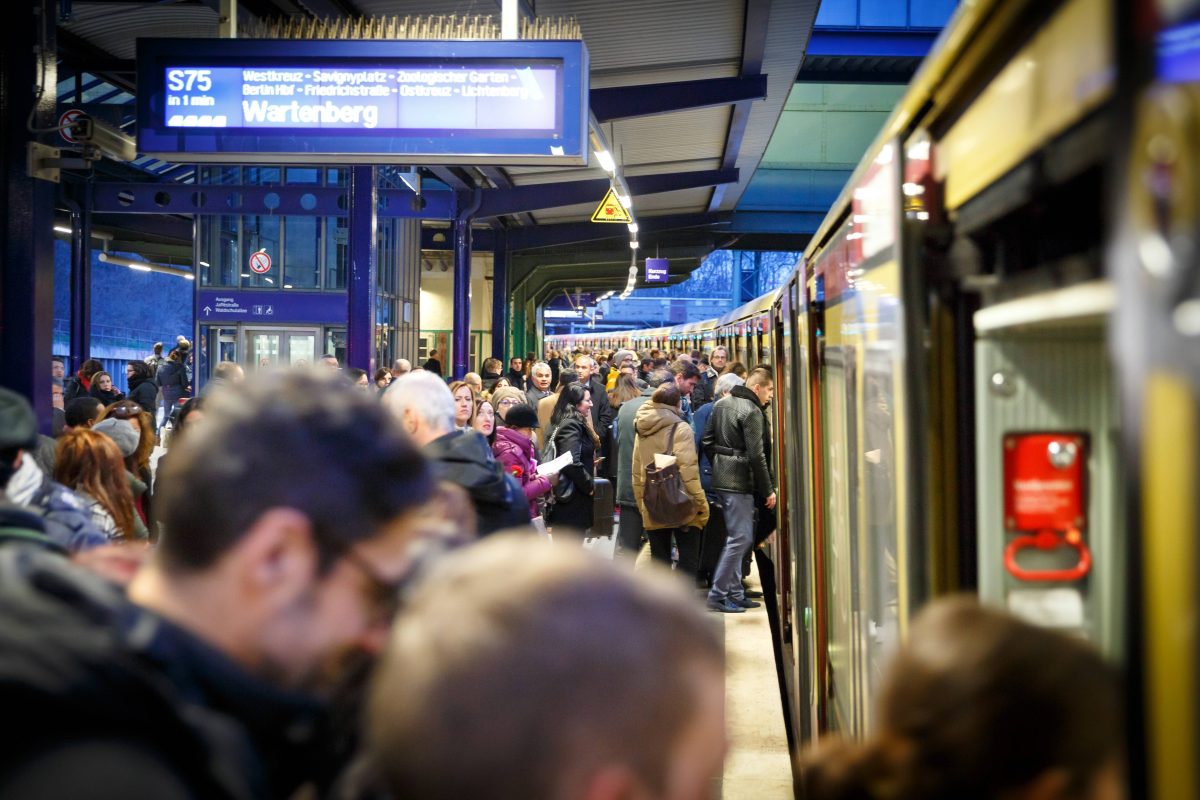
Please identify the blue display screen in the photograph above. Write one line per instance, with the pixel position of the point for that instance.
(1178, 54)
(418, 97)
(354, 102)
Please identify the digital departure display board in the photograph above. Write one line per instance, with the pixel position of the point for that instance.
(394, 102)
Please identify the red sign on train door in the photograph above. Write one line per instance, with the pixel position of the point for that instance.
(1044, 481)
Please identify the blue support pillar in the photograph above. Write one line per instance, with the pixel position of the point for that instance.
(461, 333)
(363, 256)
(81, 276)
(500, 299)
(27, 214)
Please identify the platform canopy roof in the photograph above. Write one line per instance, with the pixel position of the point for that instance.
(688, 94)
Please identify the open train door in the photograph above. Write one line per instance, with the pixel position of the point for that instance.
(1154, 260)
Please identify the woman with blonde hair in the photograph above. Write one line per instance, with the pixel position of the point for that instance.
(90, 463)
(464, 405)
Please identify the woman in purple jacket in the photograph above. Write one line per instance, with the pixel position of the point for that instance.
(517, 453)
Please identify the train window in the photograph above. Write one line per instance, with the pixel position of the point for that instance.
(881, 593)
(841, 541)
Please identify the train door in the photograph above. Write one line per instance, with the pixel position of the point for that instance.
(1051, 518)
(1156, 266)
(841, 542)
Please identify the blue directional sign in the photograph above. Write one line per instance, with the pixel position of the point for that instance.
(444, 102)
(656, 270)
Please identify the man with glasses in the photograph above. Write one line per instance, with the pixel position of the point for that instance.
(286, 524)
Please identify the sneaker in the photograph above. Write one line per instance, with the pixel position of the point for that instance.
(725, 607)
(746, 602)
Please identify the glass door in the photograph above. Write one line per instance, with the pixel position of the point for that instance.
(280, 347)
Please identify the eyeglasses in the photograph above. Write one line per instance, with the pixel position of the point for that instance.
(125, 412)
(385, 594)
(508, 401)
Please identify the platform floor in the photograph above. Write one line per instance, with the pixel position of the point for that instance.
(758, 766)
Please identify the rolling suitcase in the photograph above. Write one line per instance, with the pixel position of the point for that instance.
(604, 502)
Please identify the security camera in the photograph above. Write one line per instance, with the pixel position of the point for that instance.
(99, 139)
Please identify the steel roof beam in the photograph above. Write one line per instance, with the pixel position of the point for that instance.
(754, 46)
(568, 193)
(625, 102)
(896, 43)
(86, 57)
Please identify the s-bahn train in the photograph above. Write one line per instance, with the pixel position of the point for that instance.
(987, 366)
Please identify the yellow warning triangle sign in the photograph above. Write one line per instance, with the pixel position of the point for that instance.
(611, 210)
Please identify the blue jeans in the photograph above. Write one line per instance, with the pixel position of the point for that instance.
(739, 524)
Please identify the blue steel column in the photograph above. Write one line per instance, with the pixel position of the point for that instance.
(461, 335)
(81, 276)
(363, 255)
(500, 298)
(27, 214)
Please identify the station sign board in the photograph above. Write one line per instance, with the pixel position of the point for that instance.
(656, 270)
(361, 102)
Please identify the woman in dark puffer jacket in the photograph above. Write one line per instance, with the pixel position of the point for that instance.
(142, 389)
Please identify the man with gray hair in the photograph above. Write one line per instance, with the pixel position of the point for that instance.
(424, 406)
(401, 366)
(498, 682)
(629, 528)
(540, 376)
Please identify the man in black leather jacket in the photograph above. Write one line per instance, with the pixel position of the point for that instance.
(735, 441)
(285, 528)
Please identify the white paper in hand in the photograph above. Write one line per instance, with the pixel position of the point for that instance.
(551, 467)
(662, 460)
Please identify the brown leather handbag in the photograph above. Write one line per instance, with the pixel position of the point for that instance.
(667, 502)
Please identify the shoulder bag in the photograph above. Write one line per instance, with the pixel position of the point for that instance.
(666, 501)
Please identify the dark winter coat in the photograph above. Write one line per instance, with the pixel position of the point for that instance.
(75, 386)
(571, 435)
(144, 392)
(699, 425)
(109, 397)
(518, 455)
(624, 439)
(115, 701)
(465, 458)
(702, 395)
(172, 377)
(736, 443)
(517, 379)
(432, 365)
(65, 516)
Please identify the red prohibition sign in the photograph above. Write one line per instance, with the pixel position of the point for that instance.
(260, 263)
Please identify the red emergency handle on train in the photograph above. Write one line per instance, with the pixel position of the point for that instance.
(1049, 540)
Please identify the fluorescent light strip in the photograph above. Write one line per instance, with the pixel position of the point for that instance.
(145, 266)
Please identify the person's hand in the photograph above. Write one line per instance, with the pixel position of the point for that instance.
(770, 500)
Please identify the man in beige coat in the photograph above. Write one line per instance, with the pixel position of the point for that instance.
(653, 424)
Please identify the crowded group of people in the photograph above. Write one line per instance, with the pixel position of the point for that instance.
(339, 593)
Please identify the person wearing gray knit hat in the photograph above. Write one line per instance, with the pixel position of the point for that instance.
(121, 432)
